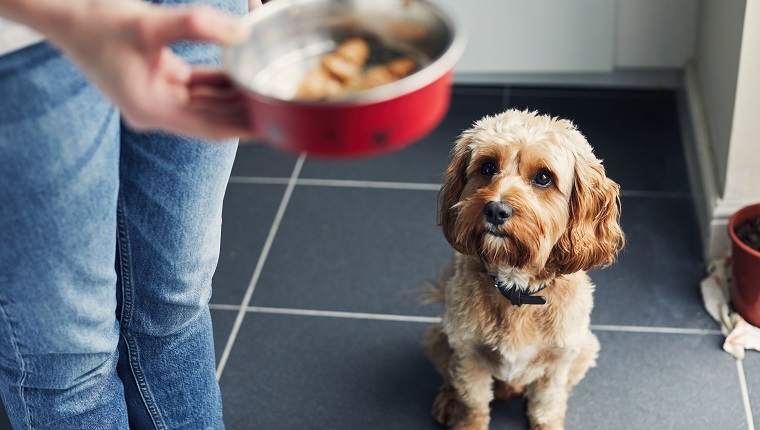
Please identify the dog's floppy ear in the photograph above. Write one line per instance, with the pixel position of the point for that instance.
(454, 180)
(593, 236)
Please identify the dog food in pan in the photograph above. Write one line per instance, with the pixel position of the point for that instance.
(347, 69)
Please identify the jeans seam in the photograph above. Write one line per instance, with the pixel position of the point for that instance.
(126, 317)
(22, 365)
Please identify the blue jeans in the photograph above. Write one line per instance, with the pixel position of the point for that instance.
(108, 242)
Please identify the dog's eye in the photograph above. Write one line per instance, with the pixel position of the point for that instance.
(488, 169)
(542, 179)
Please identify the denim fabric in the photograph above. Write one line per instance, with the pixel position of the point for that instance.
(108, 243)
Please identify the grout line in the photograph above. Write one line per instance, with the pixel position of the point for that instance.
(370, 184)
(420, 186)
(414, 318)
(329, 314)
(337, 314)
(221, 307)
(260, 265)
(655, 194)
(660, 330)
(745, 395)
(258, 180)
(339, 183)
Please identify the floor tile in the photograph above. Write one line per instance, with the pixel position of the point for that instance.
(5, 423)
(294, 372)
(658, 381)
(290, 372)
(636, 133)
(249, 210)
(222, 321)
(258, 159)
(655, 282)
(355, 250)
(424, 161)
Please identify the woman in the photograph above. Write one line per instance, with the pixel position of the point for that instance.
(110, 210)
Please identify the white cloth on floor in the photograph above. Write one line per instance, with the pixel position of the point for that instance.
(740, 335)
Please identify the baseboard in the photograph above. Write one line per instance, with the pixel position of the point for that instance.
(699, 159)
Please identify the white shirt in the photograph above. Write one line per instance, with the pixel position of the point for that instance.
(14, 36)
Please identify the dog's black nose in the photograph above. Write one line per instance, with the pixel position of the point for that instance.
(497, 212)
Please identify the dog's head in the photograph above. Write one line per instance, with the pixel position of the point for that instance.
(525, 191)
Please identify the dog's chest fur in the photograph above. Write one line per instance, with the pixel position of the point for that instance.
(508, 366)
(514, 342)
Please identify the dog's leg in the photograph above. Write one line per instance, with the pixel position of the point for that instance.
(585, 360)
(436, 346)
(473, 385)
(447, 408)
(547, 397)
(547, 403)
(463, 400)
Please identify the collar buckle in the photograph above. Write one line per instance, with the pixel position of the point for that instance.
(516, 296)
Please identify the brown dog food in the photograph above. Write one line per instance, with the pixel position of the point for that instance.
(344, 70)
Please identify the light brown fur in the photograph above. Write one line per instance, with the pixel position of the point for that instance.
(485, 347)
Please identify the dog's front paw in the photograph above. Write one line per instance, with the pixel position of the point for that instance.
(447, 408)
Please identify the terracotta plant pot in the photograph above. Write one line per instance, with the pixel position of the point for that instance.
(745, 288)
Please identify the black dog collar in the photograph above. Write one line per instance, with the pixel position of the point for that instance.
(516, 296)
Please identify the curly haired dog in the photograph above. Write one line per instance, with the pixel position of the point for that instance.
(528, 208)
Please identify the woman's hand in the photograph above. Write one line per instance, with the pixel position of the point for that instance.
(122, 46)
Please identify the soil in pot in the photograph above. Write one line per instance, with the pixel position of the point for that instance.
(749, 233)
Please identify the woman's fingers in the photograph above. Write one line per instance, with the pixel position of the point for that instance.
(208, 76)
(173, 23)
(213, 93)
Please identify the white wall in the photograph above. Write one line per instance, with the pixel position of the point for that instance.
(554, 37)
(718, 44)
(655, 33)
(513, 36)
(742, 184)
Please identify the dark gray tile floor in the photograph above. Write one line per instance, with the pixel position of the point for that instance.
(329, 260)
(332, 334)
